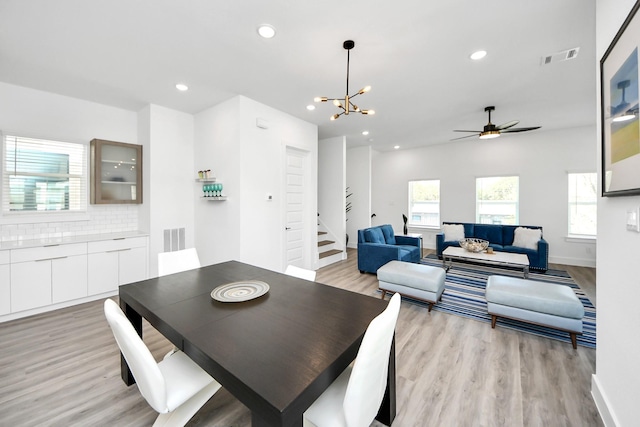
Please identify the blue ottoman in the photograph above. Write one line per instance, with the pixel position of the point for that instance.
(546, 304)
(416, 281)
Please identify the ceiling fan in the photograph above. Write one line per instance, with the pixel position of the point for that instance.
(492, 131)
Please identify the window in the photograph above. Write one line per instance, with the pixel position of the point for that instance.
(40, 175)
(424, 203)
(497, 200)
(583, 198)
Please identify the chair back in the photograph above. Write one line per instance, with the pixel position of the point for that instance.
(177, 261)
(368, 380)
(140, 360)
(301, 273)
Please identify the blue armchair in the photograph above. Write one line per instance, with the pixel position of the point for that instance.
(378, 245)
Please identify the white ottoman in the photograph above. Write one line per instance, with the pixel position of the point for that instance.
(417, 281)
(546, 304)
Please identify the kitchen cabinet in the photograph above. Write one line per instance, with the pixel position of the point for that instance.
(116, 262)
(46, 275)
(5, 282)
(116, 172)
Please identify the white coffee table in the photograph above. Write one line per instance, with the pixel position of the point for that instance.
(496, 258)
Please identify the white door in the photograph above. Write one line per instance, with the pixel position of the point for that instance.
(295, 221)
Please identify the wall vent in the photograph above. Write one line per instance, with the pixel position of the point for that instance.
(173, 239)
(565, 55)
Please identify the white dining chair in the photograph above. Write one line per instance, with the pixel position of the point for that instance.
(176, 387)
(177, 261)
(354, 398)
(300, 273)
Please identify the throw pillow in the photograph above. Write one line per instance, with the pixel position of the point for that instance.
(389, 237)
(374, 235)
(453, 232)
(527, 237)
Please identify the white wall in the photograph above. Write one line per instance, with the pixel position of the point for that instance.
(249, 161)
(38, 114)
(217, 147)
(169, 173)
(541, 159)
(616, 384)
(332, 182)
(359, 181)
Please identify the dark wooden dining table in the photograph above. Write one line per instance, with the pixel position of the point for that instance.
(276, 353)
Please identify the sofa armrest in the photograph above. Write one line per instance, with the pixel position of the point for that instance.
(439, 244)
(407, 240)
(543, 253)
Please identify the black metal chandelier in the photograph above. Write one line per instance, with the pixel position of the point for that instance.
(345, 104)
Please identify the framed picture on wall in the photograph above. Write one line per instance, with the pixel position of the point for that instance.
(619, 111)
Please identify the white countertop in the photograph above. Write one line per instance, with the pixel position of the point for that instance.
(33, 243)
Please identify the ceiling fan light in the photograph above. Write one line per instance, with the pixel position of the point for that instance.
(490, 134)
(625, 117)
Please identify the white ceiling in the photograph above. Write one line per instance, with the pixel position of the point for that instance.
(414, 54)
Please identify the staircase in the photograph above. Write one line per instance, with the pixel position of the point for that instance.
(328, 251)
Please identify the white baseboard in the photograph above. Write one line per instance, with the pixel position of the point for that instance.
(602, 403)
(578, 262)
(51, 307)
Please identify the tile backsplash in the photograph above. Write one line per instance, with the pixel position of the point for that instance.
(102, 219)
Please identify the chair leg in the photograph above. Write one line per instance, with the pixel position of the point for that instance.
(384, 293)
(493, 321)
(430, 305)
(574, 340)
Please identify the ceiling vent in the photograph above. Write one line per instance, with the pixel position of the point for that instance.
(565, 55)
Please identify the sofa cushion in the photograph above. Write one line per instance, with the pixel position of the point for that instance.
(374, 235)
(407, 252)
(387, 232)
(491, 233)
(527, 237)
(453, 232)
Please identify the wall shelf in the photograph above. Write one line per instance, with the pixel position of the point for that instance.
(215, 198)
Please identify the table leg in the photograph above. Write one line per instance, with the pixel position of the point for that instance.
(387, 412)
(136, 321)
(444, 263)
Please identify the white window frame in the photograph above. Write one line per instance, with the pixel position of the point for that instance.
(516, 203)
(410, 222)
(35, 216)
(571, 203)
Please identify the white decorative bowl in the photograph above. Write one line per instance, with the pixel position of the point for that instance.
(474, 245)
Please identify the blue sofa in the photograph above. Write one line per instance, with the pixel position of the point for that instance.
(500, 238)
(378, 245)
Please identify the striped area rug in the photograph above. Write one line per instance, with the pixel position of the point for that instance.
(464, 296)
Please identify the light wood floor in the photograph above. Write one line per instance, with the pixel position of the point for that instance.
(62, 369)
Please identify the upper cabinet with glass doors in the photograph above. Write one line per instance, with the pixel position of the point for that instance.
(116, 172)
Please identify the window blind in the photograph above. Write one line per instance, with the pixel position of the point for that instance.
(43, 175)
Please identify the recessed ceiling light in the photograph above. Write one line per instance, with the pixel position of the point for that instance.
(395, 147)
(365, 132)
(478, 55)
(266, 31)
(311, 107)
(182, 87)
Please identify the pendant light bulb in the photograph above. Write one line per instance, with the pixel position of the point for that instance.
(320, 99)
(335, 116)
